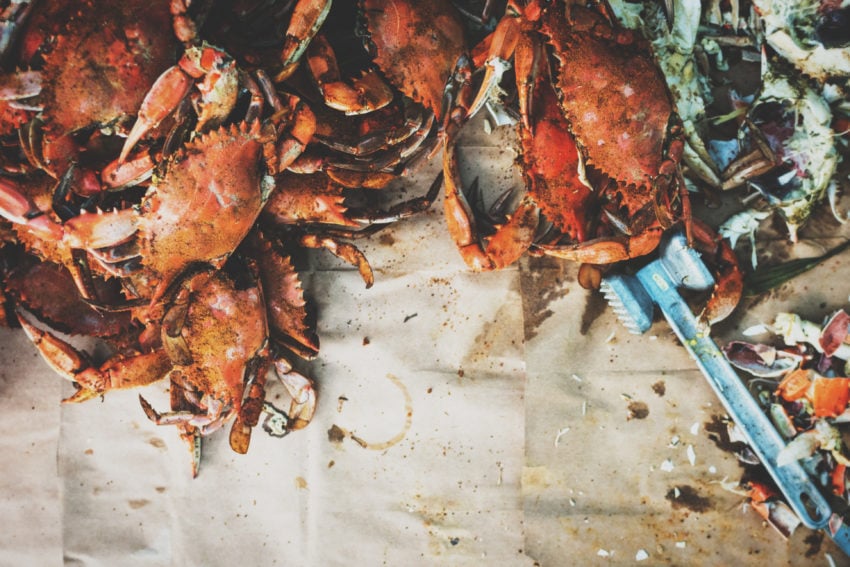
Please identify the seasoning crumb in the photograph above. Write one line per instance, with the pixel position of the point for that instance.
(409, 317)
(692, 456)
(667, 465)
(366, 341)
(660, 388)
(638, 410)
(680, 544)
(603, 553)
(336, 434)
(641, 555)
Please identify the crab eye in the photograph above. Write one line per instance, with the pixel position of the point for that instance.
(833, 28)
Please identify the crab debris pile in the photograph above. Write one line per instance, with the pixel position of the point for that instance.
(800, 377)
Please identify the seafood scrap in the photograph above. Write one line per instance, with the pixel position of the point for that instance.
(801, 380)
(790, 125)
(811, 34)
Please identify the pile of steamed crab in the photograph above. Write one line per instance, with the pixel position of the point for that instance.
(163, 166)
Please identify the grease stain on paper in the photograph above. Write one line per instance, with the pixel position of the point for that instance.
(337, 434)
(684, 496)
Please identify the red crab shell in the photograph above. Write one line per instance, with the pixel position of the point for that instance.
(615, 98)
(223, 327)
(550, 162)
(286, 306)
(49, 292)
(306, 198)
(417, 45)
(211, 194)
(105, 61)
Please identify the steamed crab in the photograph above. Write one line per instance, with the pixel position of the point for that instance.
(601, 144)
(604, 107)
(211, 339)
(99, 59)
(193, 213)
(410, 83)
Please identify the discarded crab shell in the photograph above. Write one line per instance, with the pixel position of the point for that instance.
(790, 27)
(760, 360)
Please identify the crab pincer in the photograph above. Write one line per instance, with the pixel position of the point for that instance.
(208, 68)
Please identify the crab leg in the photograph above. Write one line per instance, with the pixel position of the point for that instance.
(390, 158)
(729, 281)
(360, 179)
(207, 422)
(376, 137)
(343, 250)
(87, 230)
(306, 19)
(502, 43)
(133, 171)
(504, 247)
(365, 94)
(252, 406)
(119, 372)
(300, 125)
(608, 250)
(184, 27)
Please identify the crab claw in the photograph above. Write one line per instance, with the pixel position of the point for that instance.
(216, 77)
(118, 372)
(344, 251)
(365, 94)
(300, 388)
(17, 208)
(306, 19)
(503, 247)
(502, 44)
(165, 94)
